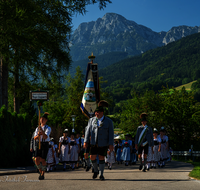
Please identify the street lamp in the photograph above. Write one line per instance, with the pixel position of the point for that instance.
(73, 120)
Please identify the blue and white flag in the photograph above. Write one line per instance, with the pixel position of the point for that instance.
(91, 95)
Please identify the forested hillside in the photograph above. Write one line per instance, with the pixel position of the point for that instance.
(175, 64)
(102, 60)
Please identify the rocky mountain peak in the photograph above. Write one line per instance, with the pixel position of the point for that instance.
(114, 32)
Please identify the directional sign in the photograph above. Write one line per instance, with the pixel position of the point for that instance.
(39, 95)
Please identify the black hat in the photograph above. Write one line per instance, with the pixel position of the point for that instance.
(65, 131)
(99, 108)
(143, 117)
(162, 129)
(155, 130)
(45, 115)
(101, 105)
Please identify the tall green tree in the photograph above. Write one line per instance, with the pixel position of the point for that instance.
(176, 110)
(34, 38)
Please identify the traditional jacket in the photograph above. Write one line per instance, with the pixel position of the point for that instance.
(148, 137)
(102, 135)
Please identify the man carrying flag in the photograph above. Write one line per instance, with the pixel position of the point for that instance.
(143, 139)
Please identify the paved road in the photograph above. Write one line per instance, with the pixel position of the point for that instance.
(173, 176)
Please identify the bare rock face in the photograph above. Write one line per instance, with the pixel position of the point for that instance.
(113, 33)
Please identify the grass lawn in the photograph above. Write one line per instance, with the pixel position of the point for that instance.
(195, 173)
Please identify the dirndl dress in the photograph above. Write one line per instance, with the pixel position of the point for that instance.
(50, 159)
(64, 156)
(119, 153)
(156, 154)
(126, 153)
(73, 151)
(164, 151)
(110, 158)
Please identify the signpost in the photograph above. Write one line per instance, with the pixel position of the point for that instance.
(40, 97)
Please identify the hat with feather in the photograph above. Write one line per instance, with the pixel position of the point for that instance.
(101, 105)
(45, 115)
(143, 117)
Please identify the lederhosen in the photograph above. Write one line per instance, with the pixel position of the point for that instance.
(44, 147)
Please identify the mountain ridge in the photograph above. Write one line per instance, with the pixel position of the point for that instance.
(114, 33)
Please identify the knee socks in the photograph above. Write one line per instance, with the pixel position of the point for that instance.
(145, 161)
(88, 162)
(94, 162)
(101, 167)
(140, 159)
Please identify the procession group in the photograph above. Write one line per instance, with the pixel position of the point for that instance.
(97, 147)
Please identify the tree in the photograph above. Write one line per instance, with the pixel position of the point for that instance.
(35, 38)
(176, 110)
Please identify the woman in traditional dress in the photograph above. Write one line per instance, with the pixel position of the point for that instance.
(110, 158)
(119, 151)
(126, 150)
(64, 148)
(56, 159)
(156, 148)
(50, 156)
(74, 150)
(164, 147)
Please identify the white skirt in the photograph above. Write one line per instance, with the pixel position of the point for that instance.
(64, 156)
(110, 158)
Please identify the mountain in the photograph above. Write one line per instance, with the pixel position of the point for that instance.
(174, 64)
(114, 33)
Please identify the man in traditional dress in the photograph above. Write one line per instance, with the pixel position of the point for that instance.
(143, 139)
(101, 131)
(43, 132)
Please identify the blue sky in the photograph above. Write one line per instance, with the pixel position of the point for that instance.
(159, 15)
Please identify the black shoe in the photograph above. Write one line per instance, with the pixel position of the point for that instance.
(87, 169)
(64, 169)
(95, 175)
(41, 177)
(102, 178)
(140, 167)
(110, 168)
(144, 168)
(151, 167)
(159, 165)
(154, 167)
